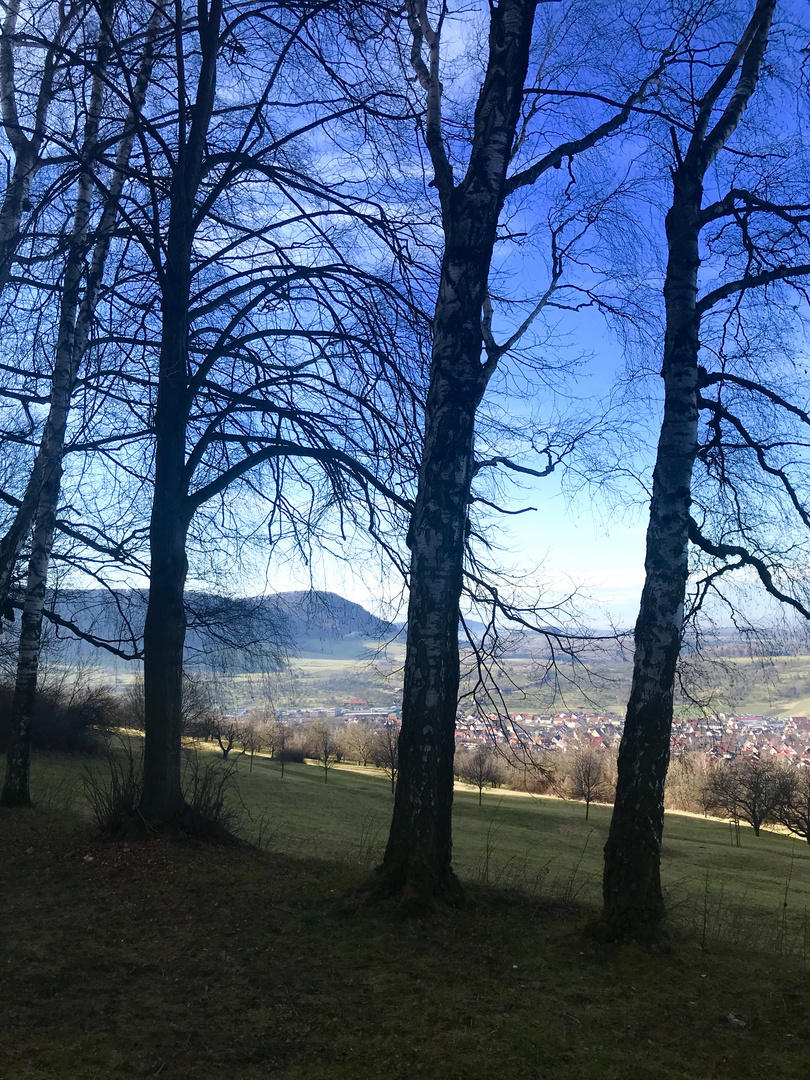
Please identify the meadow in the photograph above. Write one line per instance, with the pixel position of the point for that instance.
(185, 960)
(539, 845)
(778, 685)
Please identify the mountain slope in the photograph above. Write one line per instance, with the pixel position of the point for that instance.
(235, 634)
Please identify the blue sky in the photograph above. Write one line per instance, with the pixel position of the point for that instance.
(605, 561)
(591, 539)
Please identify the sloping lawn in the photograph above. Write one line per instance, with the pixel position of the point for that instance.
(191, 962)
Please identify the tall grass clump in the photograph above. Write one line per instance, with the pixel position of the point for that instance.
(721, 915)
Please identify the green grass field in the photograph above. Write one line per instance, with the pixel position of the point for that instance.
(777, 685)
(538, 845)
(195, 962)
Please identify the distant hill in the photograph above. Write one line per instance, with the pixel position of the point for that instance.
(321, 623)
(251, 633)
(234, 634)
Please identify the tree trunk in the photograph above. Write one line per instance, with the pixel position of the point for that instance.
(417, 862)
(419, 846)
(75, 320)
(42, 494)
(26, 144)
(418, 855)
(164, 635)
(633, 901)
(162, 800)
(165, 627)
(16, 790)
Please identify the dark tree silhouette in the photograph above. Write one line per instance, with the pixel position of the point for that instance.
(278, 359)
(749, 789)
(465, 355)
(721, 93)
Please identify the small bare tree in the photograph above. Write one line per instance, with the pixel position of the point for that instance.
(322, 746)
(386, 752)
(480, 767)
(226, 731)
(279, 739)
(253, 737)
(587, 779)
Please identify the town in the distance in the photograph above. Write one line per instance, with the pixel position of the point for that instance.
(784, 738)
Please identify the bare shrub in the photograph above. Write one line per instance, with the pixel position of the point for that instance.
(687, 778)
(60, 790)
(199, 714)
(531, 772)
(113, 789)
(213, 808)
(70, 720)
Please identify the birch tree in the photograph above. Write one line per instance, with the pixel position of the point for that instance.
(701, 223)
(32, 48)
(499, 159)
(32, 45)
(78, 298)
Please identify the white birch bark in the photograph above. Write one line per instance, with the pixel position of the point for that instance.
(417, 861)
(76, 315)
(76, 318)
(26, 141)
(633, 900)
(417, 858)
